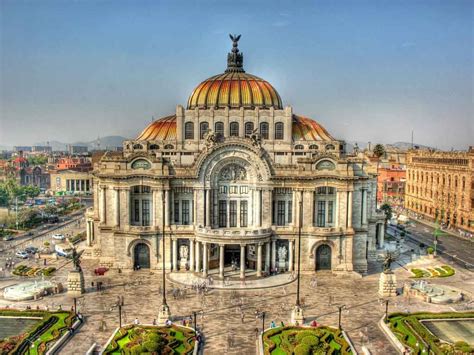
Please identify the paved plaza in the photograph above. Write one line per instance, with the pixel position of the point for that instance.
(221, 319)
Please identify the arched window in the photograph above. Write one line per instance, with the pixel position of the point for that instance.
(248, 128)
(264, 130)
(137, 146)
(154, 147)
(299, 147)
(169, 146)
(313, 147)
(189, 130)
(234, 129)
(219, 129)
(203, 129)
(330, 147)
(279, 130)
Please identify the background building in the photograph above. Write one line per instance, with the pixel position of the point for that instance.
(71, 182)
(77, 149)
(440, 185)
(391, 183)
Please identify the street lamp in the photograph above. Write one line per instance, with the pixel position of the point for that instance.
(386, 311)
(194, 321)
(300, 224)
(340, 308)
(120, 314)
(75, 305)
(163, 200)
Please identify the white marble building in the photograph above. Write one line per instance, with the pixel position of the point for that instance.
(230, 180)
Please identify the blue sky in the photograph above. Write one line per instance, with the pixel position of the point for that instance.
(366, 70)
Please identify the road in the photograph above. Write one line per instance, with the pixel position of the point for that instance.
(449, 245)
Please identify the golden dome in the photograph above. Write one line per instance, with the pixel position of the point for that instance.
(161, 130)
(234, 88)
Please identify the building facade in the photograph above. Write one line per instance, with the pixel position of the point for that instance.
(71, 182)
(440, 186)
(231, 180)
(391, 183)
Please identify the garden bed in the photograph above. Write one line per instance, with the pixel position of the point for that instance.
(410, 331)
(305, 341)
(137, 339)
(23, 270)
(49, 328)
(439, 271)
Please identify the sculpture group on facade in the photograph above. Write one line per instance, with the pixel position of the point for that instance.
(233, 173)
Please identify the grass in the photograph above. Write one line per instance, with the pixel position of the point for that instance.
(441, 271)
(174, 340)
(410, 331)
(303, 340)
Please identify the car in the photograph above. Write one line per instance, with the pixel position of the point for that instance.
(8, 237)
(59, 236)
(21, 254)
(31, 250)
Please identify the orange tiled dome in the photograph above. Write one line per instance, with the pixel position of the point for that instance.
(234, 90)
(161, 130)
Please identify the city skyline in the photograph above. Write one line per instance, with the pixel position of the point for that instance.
(72, 71)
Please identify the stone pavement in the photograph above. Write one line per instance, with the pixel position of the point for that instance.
(221, 323)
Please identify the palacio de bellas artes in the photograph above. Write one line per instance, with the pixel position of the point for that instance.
(230, 181)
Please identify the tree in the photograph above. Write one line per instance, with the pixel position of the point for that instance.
(387, 210)
(379, 150)
(37, 160)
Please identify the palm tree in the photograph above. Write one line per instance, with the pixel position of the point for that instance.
(387, 210)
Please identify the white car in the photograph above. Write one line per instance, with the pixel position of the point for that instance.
(59, 236)
(21, 255)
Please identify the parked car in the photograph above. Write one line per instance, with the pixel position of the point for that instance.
(21, 254)
(59, 236)
(31, 250)
(63, 250)
(8, 237)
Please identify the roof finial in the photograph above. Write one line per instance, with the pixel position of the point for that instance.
(235, 59)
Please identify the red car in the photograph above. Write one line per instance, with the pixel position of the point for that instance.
(100, 271)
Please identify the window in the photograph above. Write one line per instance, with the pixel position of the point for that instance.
(233, 213)
(189, 130)
(330, 147)
(330, 211)
(185, 212)
(321, 212)
(137, 146)
(222, 213)
(281, 213)
(145, 212)
(290, 212)
(264, 130)
(313, 147)
(324, 206)
(279, 130)
(204, 128)
(169, 146)
(248, 129)
(154, 147)
(243, 213)
(176, 211)
(137, 210)
(299, 147)
(234, 129)
(219, 128)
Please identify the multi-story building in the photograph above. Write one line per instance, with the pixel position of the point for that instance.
(440, 186)
(71, 182)
(391, 183)
(74, 163)
(77, 149)
(232, 179)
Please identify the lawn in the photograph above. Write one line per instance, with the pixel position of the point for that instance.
(412, 333)
(440, 271)
(43, 334)
(304, 341)
(137, 339)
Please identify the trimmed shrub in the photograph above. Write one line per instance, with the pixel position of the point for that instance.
(310, 340)
(302, 349)
(430, 250)
(302, 334)
(136, 349)
(151, 346)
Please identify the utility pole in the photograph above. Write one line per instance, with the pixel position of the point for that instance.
(16, 210)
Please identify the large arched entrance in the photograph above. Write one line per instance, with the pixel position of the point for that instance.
(323, 257)
(141, 254)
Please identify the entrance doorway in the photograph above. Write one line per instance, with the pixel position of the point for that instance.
(232, 255)
(323, 257)
(141, 255)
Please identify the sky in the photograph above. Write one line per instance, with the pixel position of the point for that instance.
(365, 70)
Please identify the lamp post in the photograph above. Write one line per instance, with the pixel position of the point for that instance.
(120, 315)
(75, 305)
(194, 321)
(164, 314)
(386, 311)
(263, 322)
(340, 308)
(299, 252)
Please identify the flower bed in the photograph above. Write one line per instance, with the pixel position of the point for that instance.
(23, 270)
(305, 341)
(137, 339)
(44, 334)
(410, 331)
(440, 271)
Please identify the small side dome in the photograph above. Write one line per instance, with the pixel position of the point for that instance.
(160, 130)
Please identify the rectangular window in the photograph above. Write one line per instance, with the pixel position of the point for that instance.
(281, 213)
(223, 189)
(290, 212)
(244, 189)
(145, 212)
(243, 213)
(233, 213)
(273, 212)
(137, 210)
(176, 211)
(222, 213)
(321, 213)
(185, 212)
(330, 212)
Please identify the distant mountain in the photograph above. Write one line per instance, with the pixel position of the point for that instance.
(406, 145)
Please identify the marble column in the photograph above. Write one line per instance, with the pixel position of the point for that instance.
(242, 261)
(205, 261)
(259, 259)
(167, 208)
(88, 234)
(364, 206)
(381, 234)
(198, 256)
(258, 206)
(208, 208)
(175, 255)
(191, 255)
(195, 195)
(290, 257)
(117, 207)
(337, 207)
(267, 257)
(349, 209)
(221, 261)
(273, 265)
(103, 201)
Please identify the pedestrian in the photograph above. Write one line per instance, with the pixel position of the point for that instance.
(242, 316)
(282, 324)
(272, 324)
(136, 321)
(154, 321)
(257, 332)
